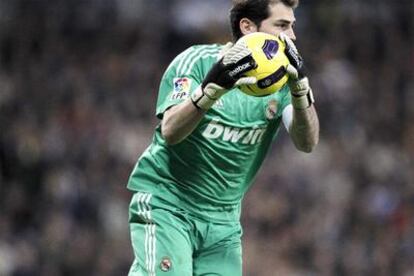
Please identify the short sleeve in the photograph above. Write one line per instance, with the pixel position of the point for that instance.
(284, 100)
(184, 75)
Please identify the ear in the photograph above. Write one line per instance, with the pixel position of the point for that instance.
(247, 26)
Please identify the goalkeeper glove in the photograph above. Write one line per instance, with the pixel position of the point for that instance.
(224, 75)
(302, 96)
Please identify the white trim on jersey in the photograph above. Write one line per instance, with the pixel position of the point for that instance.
(202, 55)
(287, 116)
(184, 68)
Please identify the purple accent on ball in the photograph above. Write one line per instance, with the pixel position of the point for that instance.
(270, 48)
(272, 78)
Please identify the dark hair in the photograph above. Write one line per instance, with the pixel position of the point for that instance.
(255, 10)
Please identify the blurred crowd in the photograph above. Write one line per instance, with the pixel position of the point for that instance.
(78, 86)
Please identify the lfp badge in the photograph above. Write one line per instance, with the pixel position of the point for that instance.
(181, 88)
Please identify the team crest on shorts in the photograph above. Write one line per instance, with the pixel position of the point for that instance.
(181, 88)
(271, 109)
(165, 264)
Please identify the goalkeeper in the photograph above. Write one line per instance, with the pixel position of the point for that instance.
(211, 141)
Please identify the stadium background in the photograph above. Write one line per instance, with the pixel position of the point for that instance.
(78, 84)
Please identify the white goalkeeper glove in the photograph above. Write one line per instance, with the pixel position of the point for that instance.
(225, 74)
(302, 96)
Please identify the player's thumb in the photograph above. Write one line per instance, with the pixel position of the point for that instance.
(226, 48)
(292, 72)
(245, 81)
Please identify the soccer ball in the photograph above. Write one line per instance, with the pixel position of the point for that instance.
(268, 52)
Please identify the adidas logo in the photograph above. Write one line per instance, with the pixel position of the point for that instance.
(219, 103)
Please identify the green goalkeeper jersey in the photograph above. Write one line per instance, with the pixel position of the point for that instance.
(208, 173)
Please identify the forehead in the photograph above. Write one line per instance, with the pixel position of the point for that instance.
(279, 11)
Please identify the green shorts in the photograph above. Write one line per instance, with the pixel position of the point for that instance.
(169, 241)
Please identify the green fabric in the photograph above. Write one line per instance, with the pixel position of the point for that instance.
(172, 242)
(210, 171)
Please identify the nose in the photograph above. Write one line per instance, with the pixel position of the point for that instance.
(291, 34)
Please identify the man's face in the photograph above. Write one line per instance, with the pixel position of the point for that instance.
(281, 19)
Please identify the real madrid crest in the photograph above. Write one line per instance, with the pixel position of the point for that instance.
(165, 264)
(271, 109)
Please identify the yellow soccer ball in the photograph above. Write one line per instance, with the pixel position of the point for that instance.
(268, 52)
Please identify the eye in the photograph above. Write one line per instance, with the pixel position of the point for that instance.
(282, 26)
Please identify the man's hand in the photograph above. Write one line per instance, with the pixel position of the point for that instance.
(224, 75)
(302, 96)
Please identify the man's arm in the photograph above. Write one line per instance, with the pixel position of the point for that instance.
(179, 121)
(304, 129)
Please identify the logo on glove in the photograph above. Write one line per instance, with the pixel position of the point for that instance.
(240, 69)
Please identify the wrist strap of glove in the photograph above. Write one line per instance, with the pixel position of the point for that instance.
(304, 101)
(205, 98)
(302, 96)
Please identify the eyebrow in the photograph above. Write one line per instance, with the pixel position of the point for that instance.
(285, 21)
